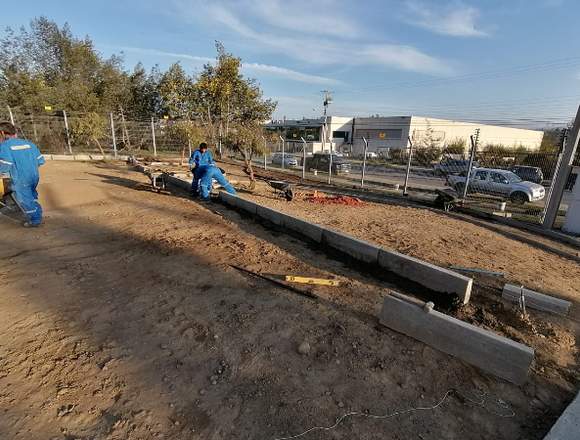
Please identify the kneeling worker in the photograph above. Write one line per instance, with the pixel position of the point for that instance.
(206, 175)
(20, 159)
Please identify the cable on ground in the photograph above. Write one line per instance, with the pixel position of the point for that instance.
(482, 402)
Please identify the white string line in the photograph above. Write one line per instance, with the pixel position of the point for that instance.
(340, 419)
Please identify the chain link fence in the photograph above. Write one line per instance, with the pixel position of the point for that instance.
(506, 182)
(493, 179)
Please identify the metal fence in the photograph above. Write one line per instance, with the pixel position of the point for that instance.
(505, 182)
(62, 132)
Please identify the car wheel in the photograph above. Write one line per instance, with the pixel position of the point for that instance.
(519, 198)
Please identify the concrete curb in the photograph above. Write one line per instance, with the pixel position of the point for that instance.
(426, 274)
(567, 427)
(495, 354)
(355, 248)
(269, 214)
(536, 300)
(83, 157)
(183, 184)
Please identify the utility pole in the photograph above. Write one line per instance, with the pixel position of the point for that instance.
(562, 173)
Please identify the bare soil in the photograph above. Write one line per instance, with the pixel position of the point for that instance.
(121, 318)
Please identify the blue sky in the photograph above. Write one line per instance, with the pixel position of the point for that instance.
(508, 60)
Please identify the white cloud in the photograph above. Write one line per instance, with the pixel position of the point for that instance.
(455, 20)
(289, 74)
(305, 16)
(268, 69)
(329, 52)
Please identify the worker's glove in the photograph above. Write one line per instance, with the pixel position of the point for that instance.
(192, 166)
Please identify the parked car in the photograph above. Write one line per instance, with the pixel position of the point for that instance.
(502, 183)
(320, 162)
(453, 166)
(289, 160)
(531, 174)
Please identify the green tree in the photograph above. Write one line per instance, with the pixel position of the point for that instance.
(176, 93)
(232, 107)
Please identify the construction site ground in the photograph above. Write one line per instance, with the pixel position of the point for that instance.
(122, 318)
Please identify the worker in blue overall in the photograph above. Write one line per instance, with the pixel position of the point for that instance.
(20, 159)
(207, 173)
(200, 157)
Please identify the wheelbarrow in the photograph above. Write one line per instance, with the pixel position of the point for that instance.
(283, 188)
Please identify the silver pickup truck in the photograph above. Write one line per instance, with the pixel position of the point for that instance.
(500, 183)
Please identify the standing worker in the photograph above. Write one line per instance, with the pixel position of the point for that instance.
(20, 159)
(200, 157)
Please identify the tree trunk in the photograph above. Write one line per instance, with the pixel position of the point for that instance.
(248, 168)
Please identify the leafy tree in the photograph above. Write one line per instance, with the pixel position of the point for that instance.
(176, 93)
(232, 107)
(224, 99)
(91, 128)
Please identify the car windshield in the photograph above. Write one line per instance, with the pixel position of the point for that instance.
(512, 178)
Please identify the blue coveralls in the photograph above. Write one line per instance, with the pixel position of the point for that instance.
(198, 158)
(20, 159)
(209, 172)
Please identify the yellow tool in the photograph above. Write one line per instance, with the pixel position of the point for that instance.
(307, 280)
(4, 185)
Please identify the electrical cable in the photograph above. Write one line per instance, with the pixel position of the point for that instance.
(480, 403)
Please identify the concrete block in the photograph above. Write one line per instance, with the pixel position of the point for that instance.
(227, 199)
(567, 427)
(239, 203)
(536, 300)
(358, 249)
(302, 227)
(176, 181)
(62, 157)
(82, 157)
(269, 214)
(495, 354)
(246, 205)
(426, 274)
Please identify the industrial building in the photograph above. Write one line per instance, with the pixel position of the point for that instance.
(384, 134)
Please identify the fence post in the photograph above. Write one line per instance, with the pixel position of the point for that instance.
(189, 145)
(265, 157)
(329, 155)
(113, 137)
(364, 166)
(67, 132)
(562, 173)
(409, 160)
(11, 115)
(550, 193)
(474, 141)
(283, 157)
(303, 159)
(34, 127)
(153, 136)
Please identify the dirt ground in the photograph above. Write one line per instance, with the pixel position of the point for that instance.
(121, 318)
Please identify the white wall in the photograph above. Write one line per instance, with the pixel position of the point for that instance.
(447, 131)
